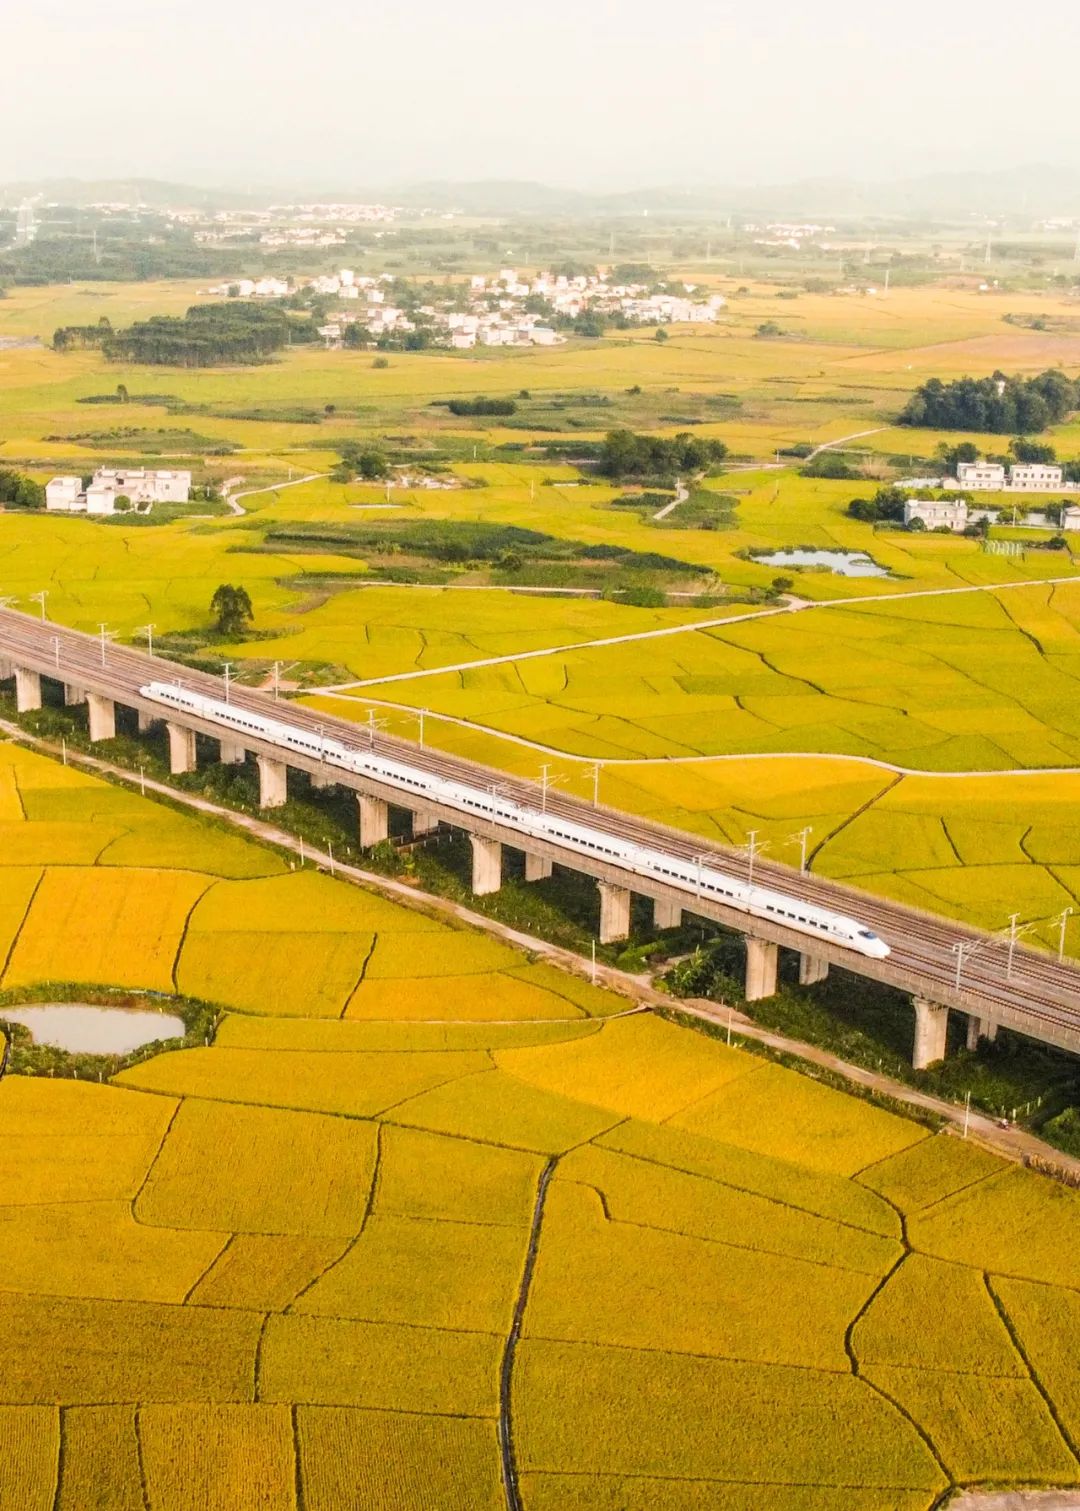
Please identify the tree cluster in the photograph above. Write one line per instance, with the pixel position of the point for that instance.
(999, 404)
(20, 491)
(482, 405)
(886, 504)
(624, 453)
(208, 335)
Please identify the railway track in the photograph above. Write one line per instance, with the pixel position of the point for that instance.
(923, 946)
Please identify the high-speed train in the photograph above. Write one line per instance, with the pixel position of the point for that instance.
(687, 876)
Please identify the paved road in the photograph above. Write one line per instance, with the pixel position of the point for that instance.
(682, 493)
(923, 958)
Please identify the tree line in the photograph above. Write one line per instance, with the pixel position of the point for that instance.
(1001, 405)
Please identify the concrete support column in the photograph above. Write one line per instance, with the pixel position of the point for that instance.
(486, 865)
(322, 779)
(147, 719)
(73, 695)
(423, 822)
(102, 717)
(665, 914)
(980, 1028)
(273, 789)
(812, 969)
(537, 867)
(374, 820)
(27, 689)
(614, 912)
(931, 1032)
(181, 749)
(6, 668)
(761, 958)
(231, 753)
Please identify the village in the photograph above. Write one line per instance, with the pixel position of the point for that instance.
(510, 309)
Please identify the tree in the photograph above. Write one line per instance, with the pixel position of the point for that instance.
(1032, 451)
(660, 334)
(355, 337)
(371, 464)
(122, 504)
(122, 393)
(232, 610)
(783, 584)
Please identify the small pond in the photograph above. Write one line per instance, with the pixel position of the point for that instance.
(82, 1029)
(843, 563)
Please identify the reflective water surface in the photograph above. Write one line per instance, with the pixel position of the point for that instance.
(83, 1029)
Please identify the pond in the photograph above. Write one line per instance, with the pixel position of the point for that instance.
(82, 1029)
(843, 563)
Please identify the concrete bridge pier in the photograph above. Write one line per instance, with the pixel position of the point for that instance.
(537, 867)
(27, 689)
(666, 915)
(6, 669)
(273, 782)
(931, 1032)
(231, 753)
(980, 1028)
(812, 969)
(147, 719)
(423, 822)
(322, 779)
(614, 912)
(374, 819)
(181, 749)
(73, 695)
(486, 865)
(102, 717)
(761, 961)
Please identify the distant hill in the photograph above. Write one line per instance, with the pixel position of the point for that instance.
(1032, 192)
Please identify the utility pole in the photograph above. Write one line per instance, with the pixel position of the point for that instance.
(40, 598)
(1014, 919)
(596, 768)
(277, 679)
(545, 782)
(802, 837)
(148, 631)
(103, 630)
(1063, 924)
(56, 651)
(226, 673)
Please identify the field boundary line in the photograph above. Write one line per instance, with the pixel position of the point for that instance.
(690, 760)
(506, 1372)
(793, 606)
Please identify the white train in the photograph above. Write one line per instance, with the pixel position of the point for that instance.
(687, 876)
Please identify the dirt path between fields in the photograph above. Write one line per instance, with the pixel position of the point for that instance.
(791, 606)
(1013, 1143)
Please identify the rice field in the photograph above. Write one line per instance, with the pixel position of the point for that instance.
(287, 1262)
(282, 1267)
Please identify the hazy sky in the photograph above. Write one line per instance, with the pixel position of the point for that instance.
(584, 93)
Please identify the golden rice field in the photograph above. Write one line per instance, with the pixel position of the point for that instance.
(280, 1272)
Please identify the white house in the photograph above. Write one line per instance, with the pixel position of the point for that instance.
(1070, 517)
(145, 485)
(986, 477)
(100, 499)
(1037, 477)
(63, 495)
(936, 512)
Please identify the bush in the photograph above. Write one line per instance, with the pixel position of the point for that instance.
(482, 405)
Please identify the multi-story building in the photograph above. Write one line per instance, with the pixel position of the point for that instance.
(936, 513)
(983, 477)
(1037, 477)
(142, 485)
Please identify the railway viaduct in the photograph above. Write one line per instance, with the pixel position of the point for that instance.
(945, 967)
